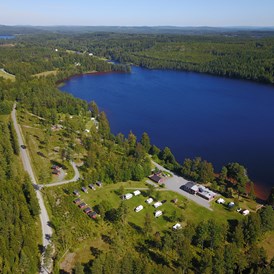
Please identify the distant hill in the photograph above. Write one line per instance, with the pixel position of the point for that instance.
(204, 30)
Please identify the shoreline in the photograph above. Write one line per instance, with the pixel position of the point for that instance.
(261, 191)
(60, 82)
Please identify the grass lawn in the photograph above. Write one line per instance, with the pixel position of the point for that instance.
(42, 148)
(268, 244)
(46, 73)
(86, 233)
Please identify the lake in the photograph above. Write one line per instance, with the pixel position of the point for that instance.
(222, 120)
(7, 37)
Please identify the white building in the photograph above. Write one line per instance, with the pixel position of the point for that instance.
(136, 192)
(245, 212)
(220, 201)
(127, 196)
(149, 200)
(158, 213)
(138, 208)
(157, 204)
(177, 226)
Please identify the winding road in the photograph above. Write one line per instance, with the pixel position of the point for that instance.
(44, 218)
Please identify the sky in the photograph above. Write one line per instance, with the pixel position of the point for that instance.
(214, 13)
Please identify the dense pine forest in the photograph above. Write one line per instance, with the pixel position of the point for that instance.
(19, 225)
(33, 66)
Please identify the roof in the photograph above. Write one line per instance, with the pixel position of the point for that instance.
(155, 178)
(189, 185)
(157, 204)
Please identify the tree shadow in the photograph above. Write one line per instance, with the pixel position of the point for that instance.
(96, 252)
(136, 227)
(106, 239)
(41, 154)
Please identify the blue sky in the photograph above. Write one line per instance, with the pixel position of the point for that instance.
(138, 12)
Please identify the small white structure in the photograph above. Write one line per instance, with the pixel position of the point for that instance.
(138, 208)
(177, 226)
(87, 130)
(149, 200)
(136, 192)
(231, 204)
(56, 50)
(158, 213)
(245, 212)
(220, 201)
(157, 204)
(127, 196)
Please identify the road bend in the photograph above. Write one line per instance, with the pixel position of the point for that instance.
(44, 218)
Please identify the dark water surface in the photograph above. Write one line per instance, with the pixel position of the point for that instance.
(222, 120)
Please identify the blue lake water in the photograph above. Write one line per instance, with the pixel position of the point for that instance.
(7, 37)
(222, 120)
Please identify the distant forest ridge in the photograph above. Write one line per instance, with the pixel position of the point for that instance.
(237, 30)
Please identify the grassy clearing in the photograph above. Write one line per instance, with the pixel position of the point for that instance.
(83, 234)
(44, 148)
(268, 244)
(6, 75)
(46, 73)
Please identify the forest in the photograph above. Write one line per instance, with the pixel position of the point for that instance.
(38, 63)
(19, 237)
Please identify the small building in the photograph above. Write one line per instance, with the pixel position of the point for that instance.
(99, 184)
(136, 192)
(82, 205)
(177, 226)
(190, 187)
(157, 178)
(91, 186)
(231, 204)
(76, 193)
(77, 201)
(138, 208)
(87, 210)
(87, 130)
(56, 167)
(200, 190)
(206, 193)
(149, 200)
(55, 172)
(84, 189)
(92, 214)
(245, 212)
(157, 204)
(220, 201)
(127, 196)
(158, 213)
